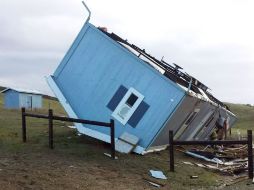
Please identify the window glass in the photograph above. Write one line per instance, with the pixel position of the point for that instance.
(131, 100)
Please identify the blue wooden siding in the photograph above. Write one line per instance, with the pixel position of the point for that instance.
(11, 99)
(96, 66)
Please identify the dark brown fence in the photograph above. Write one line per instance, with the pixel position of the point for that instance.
(219, 142)
(52, 117)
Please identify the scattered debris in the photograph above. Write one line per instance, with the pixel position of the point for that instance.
(154, 181)
(229, 160)
(236, 180)
(200, 165)
(157, 174)
(154, 184)
(189, 163)
(196, 155)
(109, 155)
(71, 127)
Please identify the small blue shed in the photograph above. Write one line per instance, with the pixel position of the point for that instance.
(15, 98)
(103, 76)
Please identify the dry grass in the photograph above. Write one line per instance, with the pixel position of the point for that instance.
(78, 162)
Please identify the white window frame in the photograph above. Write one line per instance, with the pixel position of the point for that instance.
(184, 126)
(200, 126)
(132, 109)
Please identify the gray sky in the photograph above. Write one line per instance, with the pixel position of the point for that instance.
(213, 40)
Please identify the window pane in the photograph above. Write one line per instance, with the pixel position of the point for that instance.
(190, 118)
(131, 100)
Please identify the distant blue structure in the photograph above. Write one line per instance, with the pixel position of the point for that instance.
(18, 98)
(103, 76)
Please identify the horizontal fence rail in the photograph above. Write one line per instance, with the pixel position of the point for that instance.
(52, 117)
(248, 142)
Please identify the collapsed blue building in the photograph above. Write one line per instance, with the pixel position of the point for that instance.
(103, 76)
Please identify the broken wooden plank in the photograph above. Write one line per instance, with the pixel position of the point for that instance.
(154, 180)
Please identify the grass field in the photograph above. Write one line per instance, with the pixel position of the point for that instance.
(245, 114)
(78, 162)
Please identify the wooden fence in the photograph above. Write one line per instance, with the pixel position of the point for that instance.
(52, 117)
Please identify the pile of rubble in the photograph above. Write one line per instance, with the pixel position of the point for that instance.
(230, 160)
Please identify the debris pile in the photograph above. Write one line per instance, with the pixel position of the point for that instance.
(231, 160)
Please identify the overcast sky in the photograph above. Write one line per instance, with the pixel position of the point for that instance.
(213, 40)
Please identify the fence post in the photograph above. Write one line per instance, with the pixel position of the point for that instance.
(23, 111)
(50, 116)
(112, 135)
(171, 151)
(250, 155)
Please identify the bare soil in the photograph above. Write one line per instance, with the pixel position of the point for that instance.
(51, 171)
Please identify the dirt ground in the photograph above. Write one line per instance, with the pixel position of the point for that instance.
(52, 171)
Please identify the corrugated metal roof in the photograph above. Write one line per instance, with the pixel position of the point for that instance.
(21, 90)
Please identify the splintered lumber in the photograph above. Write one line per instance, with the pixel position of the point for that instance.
(237, 180)
(154, 180)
